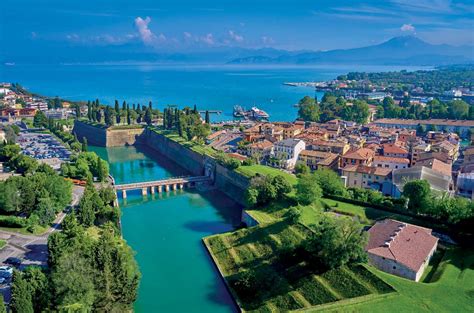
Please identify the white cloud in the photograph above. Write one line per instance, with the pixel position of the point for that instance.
(235, 37)
(267, 40)
(208, 39)
(146, 35)
(407, 28)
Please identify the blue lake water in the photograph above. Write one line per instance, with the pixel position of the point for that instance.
(209, 87)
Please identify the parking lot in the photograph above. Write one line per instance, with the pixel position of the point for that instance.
(43, 147)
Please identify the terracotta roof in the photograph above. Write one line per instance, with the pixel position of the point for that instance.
(436, 165)
(381, 158)
(316, 154)
(360, 154)
(329, 143)
(237, 156)
(362, 169)
(404, 243)
(392, 148)
(444, 122)
(265, 144)
(329, 160)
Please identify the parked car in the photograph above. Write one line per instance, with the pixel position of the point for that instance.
(13, 261)
(6, 271)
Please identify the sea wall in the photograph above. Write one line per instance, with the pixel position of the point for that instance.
(95, 136)
(106, 137)
(124, 137)
(229, 182)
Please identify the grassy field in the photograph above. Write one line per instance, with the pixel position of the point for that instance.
(368, 215)
(283, 281)
(2, 243)
(252, 170)
(450, 290)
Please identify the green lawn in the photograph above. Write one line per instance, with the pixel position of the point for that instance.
(23, 230)
(453, 290)
(284, 283)
(368, 215)
(252, 170)
(2, 243)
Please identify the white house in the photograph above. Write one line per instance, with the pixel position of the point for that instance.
(390, 162)
(288, 151)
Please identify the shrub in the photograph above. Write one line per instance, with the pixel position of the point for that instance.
(12, 221)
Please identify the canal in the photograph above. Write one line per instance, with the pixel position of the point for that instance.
(165, 232)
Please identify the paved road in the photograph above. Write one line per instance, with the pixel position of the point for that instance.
(32, 249)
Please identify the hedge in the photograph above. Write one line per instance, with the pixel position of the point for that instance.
(12, 221)
(344, 283)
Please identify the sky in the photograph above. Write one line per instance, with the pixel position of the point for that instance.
(51, 26)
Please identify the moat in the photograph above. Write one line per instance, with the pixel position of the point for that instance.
(166, 230)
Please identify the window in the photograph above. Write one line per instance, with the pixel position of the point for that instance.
(394, 267)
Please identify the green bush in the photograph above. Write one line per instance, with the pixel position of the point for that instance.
(12, 221)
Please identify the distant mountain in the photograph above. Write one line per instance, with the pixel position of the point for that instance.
(404, 50)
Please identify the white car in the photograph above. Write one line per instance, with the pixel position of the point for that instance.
(6, 271)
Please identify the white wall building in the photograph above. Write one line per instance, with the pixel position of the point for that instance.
(288, 151)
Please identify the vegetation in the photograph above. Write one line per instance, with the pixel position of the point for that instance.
(86, 273)
(451, 280)
(332, 107)
(437, 81)
(297, 257)
(85, 166)
(187, 123)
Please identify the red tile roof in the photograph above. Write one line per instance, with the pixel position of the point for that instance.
(404, 243)
(360, 154)
(381, 158)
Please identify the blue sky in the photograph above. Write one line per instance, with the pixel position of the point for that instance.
(46, 25)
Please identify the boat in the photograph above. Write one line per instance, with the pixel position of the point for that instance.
(259, 114)
(238, 111)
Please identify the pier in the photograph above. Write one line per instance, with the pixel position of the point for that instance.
(218, 112)
(164, 185)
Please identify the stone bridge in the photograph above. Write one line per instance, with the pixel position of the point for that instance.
(163, 185)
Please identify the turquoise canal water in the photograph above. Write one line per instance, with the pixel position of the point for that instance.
(166, 232)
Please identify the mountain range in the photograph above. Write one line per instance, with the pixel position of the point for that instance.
(403, 50)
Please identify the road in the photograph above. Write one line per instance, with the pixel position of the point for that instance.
(32, 249)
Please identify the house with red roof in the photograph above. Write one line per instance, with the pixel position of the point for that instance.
(400, 249)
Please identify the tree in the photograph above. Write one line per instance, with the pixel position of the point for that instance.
(282, 186)
(330, 183)
(98, 115)
(21, 300)
(207, 118)
(100, 170)
(293, 215)
(302, 169)
(45, 211)
(458, 109)
(338, 241)
(109, 114)
(78, 111)
(89, 110)
(84, 144)
(3, 308)
(73, 281)
(420, 130)
(308, 109)
(148, 116)
(418, 193)
(40, 120)
(307, 189)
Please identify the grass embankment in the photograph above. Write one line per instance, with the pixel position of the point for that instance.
(194, 146)
(367, 215)
(449, 290)
(286, 282)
